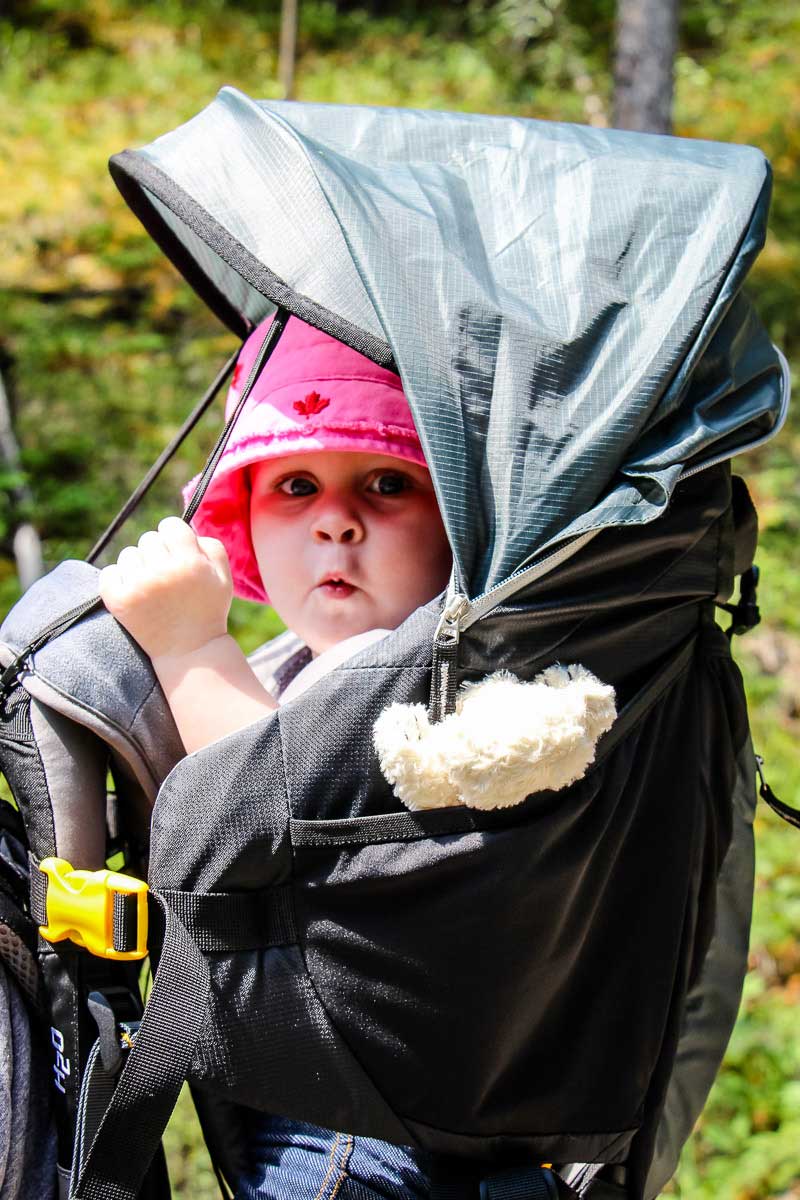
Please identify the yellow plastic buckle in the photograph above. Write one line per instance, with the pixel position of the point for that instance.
(82, 906)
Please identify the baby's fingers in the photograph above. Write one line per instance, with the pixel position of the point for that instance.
(112, 588)
(179, 538)
(131, 564)
(217, 555)
(154, 550)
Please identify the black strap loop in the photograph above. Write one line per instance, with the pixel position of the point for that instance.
(745, 614)
(785, 811)
(220, 922)
(130, 1129)
(125, 918)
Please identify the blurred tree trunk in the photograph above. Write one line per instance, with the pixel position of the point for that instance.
(644, 60)
(288, 47)
(27, 547)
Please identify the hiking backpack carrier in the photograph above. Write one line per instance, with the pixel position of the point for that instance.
(501, 987)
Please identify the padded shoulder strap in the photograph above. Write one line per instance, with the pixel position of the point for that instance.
(93, 674)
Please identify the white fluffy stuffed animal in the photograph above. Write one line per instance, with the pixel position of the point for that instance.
(505, 740)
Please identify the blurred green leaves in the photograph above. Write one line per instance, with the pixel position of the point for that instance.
(105, 350)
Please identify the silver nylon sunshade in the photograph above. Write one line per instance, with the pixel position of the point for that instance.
(561, 302)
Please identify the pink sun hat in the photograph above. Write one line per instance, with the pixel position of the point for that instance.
(314, 394)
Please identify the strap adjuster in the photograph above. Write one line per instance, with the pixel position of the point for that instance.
(103, 911)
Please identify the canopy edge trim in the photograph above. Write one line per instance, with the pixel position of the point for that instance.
(135, 175)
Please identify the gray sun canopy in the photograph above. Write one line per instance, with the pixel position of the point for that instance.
(561, 302)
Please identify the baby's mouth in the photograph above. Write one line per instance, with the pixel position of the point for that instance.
(336, 587)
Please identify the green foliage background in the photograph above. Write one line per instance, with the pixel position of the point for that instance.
(104, 350)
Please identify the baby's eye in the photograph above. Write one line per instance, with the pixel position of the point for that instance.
(297, 485)
(389, 483)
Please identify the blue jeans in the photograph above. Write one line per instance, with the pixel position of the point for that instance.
(294, 1161)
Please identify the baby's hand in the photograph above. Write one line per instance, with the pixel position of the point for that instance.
(173, 592)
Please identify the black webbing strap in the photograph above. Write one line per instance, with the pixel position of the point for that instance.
(125, 921)
(456, 1180)
(230, 921)
(39, 883)
(266, 348)
(785, 811)
(524, 1183)
(129, 1132)
(97, 1090)
(166, 454)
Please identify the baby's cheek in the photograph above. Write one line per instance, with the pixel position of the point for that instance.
(420, 573)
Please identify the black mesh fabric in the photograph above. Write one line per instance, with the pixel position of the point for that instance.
(16, 954)
(519, 944)
(22, 766)
(267, 1036)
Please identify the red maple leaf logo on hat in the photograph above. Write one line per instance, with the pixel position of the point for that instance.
(313, 404)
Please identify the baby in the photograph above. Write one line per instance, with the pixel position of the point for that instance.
(321, 505)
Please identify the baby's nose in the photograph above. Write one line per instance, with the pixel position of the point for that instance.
(338, 526)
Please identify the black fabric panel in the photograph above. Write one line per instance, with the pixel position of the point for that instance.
(327, 731)
(220, 820)
(717, 767)
(520, 945)
(621, 607)
(624, 602)
(718, 751)
(413, 826)
(268, 1043)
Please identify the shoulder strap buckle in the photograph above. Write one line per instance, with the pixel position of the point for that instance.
(103, 911)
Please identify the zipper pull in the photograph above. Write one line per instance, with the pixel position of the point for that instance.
(444, 680)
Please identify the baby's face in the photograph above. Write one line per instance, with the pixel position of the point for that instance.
(346, 542)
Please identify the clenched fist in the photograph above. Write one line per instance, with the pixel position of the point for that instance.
(172, 592)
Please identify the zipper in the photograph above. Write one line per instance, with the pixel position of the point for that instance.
(61, 624)
(459, 613)
(444, 679)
